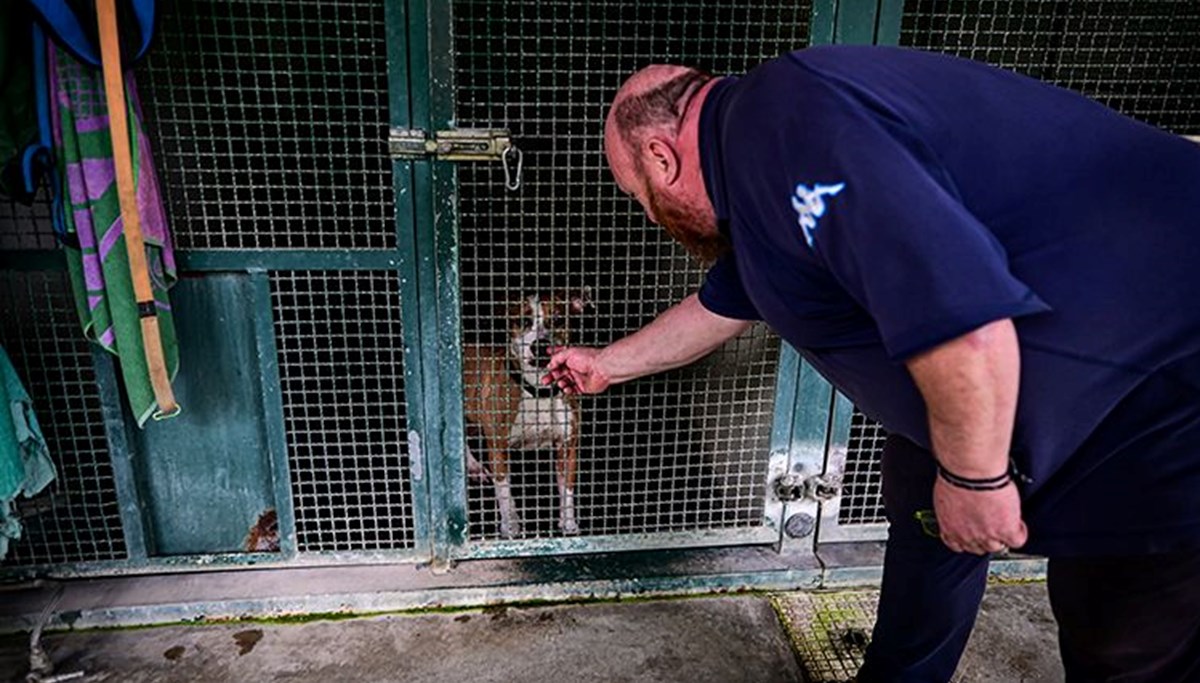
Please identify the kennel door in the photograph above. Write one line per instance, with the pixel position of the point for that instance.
(682, 459)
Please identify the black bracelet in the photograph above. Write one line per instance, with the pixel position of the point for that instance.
(987, 484)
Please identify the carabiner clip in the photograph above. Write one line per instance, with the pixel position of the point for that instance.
(512, 180)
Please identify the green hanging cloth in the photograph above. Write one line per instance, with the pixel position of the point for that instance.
(25, 465)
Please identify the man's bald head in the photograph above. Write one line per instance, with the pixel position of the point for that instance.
(652, 144)
(652, 100)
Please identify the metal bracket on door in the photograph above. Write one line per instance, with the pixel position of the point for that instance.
(462, 144)
(796, 487)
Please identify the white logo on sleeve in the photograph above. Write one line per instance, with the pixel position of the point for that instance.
(810, 205)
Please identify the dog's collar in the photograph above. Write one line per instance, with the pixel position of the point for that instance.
(537, 390)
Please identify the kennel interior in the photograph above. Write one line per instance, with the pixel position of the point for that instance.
(331, 286)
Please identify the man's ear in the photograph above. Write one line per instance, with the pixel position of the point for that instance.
(663, 161)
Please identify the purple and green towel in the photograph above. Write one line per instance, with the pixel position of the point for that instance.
(96, 254)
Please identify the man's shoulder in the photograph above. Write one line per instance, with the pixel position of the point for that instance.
(783, 107)
(782, 92)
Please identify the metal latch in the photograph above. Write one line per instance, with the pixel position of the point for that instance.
(463, 144)
(794, 487)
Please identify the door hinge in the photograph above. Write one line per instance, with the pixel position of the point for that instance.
(461, 144)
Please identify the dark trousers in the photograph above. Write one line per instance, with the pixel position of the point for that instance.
(1126, 619)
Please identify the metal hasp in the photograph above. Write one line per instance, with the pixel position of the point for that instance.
(465, 144)
(462, 144)
(795, 487)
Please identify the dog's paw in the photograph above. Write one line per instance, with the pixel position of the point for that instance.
(569, 527)
(510, 528)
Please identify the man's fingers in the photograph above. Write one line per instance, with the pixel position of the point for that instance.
(976, 546)
(994, 547)
(952, 544)
(1018, 539)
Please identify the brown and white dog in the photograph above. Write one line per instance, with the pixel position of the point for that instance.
(508, 408)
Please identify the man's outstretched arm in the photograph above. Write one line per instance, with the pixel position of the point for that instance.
(682, 334)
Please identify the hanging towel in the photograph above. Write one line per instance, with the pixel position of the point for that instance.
(25, 465)
(97, 260)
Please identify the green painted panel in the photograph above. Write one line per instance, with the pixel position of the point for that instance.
(824, 15)
(205, 476)
(855, 23)
(117, 429)
(891, 13)
(272, 411)
(294, 259)
(810, 431)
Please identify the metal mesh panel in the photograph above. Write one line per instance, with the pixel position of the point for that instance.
(76, 519)
(26, 227)
(1141, 57)
(683, 451)
(341, 369)
(271, 123)
(862, 494)
(830, 631)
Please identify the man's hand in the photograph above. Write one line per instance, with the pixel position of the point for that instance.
(979, 522)
(679, 335)
(576, 370)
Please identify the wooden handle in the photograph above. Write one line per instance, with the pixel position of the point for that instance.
(118, 125)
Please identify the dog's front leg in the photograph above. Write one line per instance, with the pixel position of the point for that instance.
(566, 488)
(510, 523)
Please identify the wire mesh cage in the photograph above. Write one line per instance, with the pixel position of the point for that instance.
(26, 227)
(862, 492)
(683, 451)
(76, 519)
(272, 116)
(340, 351)
(1140, 57)
(272, 119)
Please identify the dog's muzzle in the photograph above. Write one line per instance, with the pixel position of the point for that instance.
(541, 351)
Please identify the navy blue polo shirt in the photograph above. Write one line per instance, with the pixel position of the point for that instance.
(881, 201)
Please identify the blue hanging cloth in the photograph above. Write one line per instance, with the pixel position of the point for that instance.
(72, 24)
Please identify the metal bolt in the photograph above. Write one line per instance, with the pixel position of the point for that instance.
(800, 525)
(823, 488)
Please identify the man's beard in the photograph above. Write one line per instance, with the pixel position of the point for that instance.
(690, 227)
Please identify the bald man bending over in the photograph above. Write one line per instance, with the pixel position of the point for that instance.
(1001, 272)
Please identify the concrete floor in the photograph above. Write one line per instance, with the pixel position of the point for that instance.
(726, 639)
